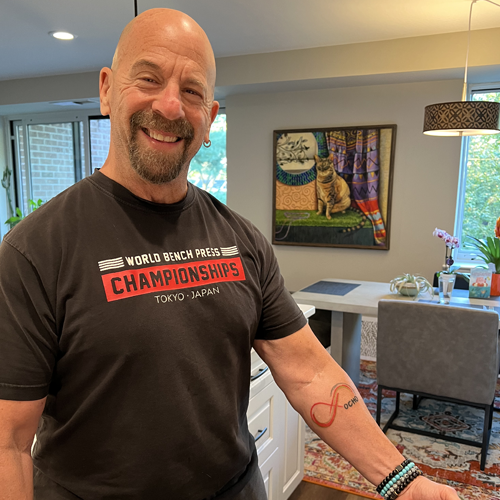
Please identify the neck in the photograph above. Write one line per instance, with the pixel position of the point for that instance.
(168, 193)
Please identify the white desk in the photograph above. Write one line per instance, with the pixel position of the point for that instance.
(348, 309)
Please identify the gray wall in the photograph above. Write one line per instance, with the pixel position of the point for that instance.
(425, 180)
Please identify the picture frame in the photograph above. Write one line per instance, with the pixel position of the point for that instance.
(332, 187)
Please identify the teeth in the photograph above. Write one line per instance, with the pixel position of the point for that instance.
(161, 138)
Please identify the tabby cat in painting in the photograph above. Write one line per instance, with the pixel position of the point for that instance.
(331, 189)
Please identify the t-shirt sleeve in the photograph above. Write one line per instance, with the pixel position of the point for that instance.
(281, 316)
(28, 339)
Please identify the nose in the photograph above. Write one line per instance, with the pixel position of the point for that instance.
(168, 103)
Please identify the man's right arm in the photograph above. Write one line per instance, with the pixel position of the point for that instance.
(18, 425)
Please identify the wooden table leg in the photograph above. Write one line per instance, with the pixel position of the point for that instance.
(345, 340)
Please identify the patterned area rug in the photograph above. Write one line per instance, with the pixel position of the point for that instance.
(450, 463)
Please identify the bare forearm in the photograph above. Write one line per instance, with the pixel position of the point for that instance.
(16, 475)
(330, 403)
(334, 409)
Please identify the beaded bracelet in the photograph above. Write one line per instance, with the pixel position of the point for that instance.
(393, 492)
(391, 485)
(397, 470)
(398, 480)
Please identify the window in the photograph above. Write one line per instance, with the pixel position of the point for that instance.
(208, 167)
(478, 205)
(53, 151)
(49, 157)
(100, 134)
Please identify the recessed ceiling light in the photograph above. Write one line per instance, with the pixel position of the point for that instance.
(62, 35)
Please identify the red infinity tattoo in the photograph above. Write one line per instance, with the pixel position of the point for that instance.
(333, 405)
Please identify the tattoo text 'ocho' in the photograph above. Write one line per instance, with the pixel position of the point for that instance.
(323, 414)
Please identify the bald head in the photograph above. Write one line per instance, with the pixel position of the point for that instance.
(159, 95)
(168, 28)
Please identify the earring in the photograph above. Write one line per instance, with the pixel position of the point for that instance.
(207, 144)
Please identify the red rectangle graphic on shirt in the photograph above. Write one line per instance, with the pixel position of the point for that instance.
(133, 282)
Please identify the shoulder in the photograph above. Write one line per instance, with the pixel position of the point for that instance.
(237, 221)
(44, 223)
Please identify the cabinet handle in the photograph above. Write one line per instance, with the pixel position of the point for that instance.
(260, 434)
(261, 372)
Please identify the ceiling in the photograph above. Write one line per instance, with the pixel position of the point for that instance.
(235, 27)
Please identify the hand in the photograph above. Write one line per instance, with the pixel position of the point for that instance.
(422, 488)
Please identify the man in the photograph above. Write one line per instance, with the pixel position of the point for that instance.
(129, 305)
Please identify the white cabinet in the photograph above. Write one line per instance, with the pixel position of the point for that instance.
(279, 433)
(278, 429)
(270, 473)
(292, 465)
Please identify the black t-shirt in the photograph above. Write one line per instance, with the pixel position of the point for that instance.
(136, 320)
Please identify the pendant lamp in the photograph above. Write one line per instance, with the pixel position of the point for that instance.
(463, 117)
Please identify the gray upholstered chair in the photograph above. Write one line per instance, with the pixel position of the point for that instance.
(438, 351)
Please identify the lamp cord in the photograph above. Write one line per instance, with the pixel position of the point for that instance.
(464, 91)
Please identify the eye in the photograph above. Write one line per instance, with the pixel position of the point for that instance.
(193, 92)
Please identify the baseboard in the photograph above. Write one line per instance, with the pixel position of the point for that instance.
(368, 358)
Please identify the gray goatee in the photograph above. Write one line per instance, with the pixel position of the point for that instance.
(154, 166)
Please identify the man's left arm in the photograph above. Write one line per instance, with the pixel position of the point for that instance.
(329, 402)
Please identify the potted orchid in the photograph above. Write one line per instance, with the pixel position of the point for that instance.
(451, 242)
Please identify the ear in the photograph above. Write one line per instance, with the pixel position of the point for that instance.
(213, 114)
(331, 156)
(105, 77)
(316, 158)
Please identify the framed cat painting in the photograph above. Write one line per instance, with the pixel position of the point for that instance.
(333, 186)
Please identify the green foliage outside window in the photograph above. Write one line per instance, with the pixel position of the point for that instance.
(208, 167)
(482, 190)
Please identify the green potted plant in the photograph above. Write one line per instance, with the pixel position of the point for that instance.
(6, 185)
(15, 219)
(411, 285)
(490, 254)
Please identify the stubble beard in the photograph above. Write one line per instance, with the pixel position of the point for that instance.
(153, 166)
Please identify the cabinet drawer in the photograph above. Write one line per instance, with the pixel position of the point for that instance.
(265, 412)
(259, 425)
(260, 377)
(270, 474)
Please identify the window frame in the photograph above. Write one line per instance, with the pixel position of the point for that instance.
(462, 256)
(46, 118)
(24, 120)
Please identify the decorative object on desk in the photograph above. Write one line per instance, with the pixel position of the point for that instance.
(333, 186)
(451, 242)
(449, 463)
(480, 283)
(411, 285)
(446, 285)
(464, 117)
(490, 254)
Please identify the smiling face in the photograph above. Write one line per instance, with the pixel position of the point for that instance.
(159, 96)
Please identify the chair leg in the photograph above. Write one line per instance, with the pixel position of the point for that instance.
(416, 401)
(486, 436)
(393, 416)
(379, 404)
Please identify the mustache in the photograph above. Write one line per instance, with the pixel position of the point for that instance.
(151, 120)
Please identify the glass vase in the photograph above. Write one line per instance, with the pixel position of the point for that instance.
(446, 285)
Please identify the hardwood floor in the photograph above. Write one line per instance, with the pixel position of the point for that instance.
(309, 491)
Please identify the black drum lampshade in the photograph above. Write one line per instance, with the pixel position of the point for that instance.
(462, 118)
